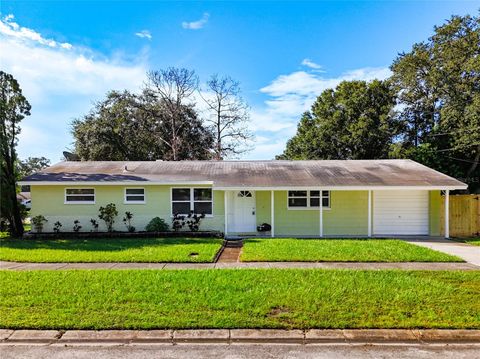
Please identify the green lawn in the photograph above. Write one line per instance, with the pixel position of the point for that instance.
(474, 241)
(247, 298)
(338, 250)
(111, 250)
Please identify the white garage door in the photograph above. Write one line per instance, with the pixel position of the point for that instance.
(400, 212)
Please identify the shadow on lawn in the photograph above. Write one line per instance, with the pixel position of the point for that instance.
(102, 244)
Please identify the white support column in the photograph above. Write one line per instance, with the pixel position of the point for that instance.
(272, 213)
(369, 213)
(447, 214)
(225, 195)
(320, 219)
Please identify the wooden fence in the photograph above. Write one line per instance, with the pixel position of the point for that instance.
(464, 215)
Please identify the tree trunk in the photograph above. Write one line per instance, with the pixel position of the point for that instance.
(474, 165)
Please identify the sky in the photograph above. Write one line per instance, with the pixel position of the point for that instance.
(67, 54)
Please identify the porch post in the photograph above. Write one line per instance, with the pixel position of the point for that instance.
(226, 212)
(369, 213)
(321, 213)
(447, 213)
(272, 213)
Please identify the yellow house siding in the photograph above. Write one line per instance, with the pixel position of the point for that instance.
(435, 204)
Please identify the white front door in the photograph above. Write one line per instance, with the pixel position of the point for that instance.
(244, 217)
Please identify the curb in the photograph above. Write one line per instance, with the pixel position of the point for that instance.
(241, 336)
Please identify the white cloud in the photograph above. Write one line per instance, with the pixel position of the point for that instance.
(11, 29)
(196, 25)
(288, 97)
(144, 34)
(60, 85)
(309, 63)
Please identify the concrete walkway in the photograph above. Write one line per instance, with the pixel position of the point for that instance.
(469, 253)
(239, 265)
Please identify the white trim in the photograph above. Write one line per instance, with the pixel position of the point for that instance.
(320, 212)
(133, 202)
(78, 202)
(447, 213)
(343, 188)
(369, 213)
(272, 213)
(192, 200)
(113, 183)
(225, 204)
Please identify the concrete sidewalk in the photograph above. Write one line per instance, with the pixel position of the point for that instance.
(469, 253)
(17, 266)
(239, 336)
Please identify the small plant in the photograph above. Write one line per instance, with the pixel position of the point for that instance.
(128, 221)
(108, 214)
(157, 224)
(38, 222)
(192, 220)
(76, 226)
(94, 224)
(56, 227)
(178, 222)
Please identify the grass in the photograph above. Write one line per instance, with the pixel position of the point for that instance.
(474, 241)
(248, 298)
(339, 250)
(111, 250)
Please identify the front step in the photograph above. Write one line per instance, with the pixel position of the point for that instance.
(233, 243)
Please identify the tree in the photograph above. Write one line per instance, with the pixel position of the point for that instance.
(228, 116)
(13, 109)
(438, 86)
(354, 121)
(132, 127)
(172, 88)
(32, 165)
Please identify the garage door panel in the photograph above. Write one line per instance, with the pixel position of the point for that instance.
(400, 212)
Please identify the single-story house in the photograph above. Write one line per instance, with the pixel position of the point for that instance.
(296, 198)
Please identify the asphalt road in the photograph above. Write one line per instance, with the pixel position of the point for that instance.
(240, 351)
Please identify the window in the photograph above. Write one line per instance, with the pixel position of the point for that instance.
(308, 199)
(135, 195)
(186, 200)
(80, 196)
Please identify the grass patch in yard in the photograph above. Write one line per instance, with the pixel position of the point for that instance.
(247, 298)
(338, 250)
(474, 241)
(111, 250)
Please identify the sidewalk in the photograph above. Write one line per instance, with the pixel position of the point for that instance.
(468, 252)
(240, 336)
(17, 266)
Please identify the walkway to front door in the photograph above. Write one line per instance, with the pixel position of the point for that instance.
(231, 252)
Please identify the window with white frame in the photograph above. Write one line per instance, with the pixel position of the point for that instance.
(135, 195)
(308, 199)
(79, 195)
(196, 200)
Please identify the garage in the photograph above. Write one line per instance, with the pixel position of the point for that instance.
(400, 213)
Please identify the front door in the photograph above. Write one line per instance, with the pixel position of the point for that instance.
(244, 217)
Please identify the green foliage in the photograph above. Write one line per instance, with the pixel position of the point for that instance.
(145, 250)
(338, 250)
(32, 165)
(76, 226)
(246, 298)
(14, 107)
(108, 214)
(127, 220)
(38, 222)
(354, 121)
(56, 227)
(94, 224)
(157, 224)
(192, 221)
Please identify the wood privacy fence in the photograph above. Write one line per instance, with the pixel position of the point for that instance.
(464, 215)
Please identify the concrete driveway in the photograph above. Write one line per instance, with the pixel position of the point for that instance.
(468, 252)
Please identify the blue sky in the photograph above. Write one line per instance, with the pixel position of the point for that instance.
(66, 55)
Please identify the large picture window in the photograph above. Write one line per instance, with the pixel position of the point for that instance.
(308, 199)
(186, 200)
(80, 196)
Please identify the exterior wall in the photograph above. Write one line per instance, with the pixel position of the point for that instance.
(434, 212)
(49, 202)
(263, 207)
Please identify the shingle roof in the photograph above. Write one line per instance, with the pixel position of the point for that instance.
(251, 173)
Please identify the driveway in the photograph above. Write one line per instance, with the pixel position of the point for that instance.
(469, 253)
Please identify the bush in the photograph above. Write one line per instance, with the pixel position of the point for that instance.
(128, 221)
(157, 224)
(38, 222)
(76, 226)
(108, 214)
(94, 225)
(192, 220)
(56, 227)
